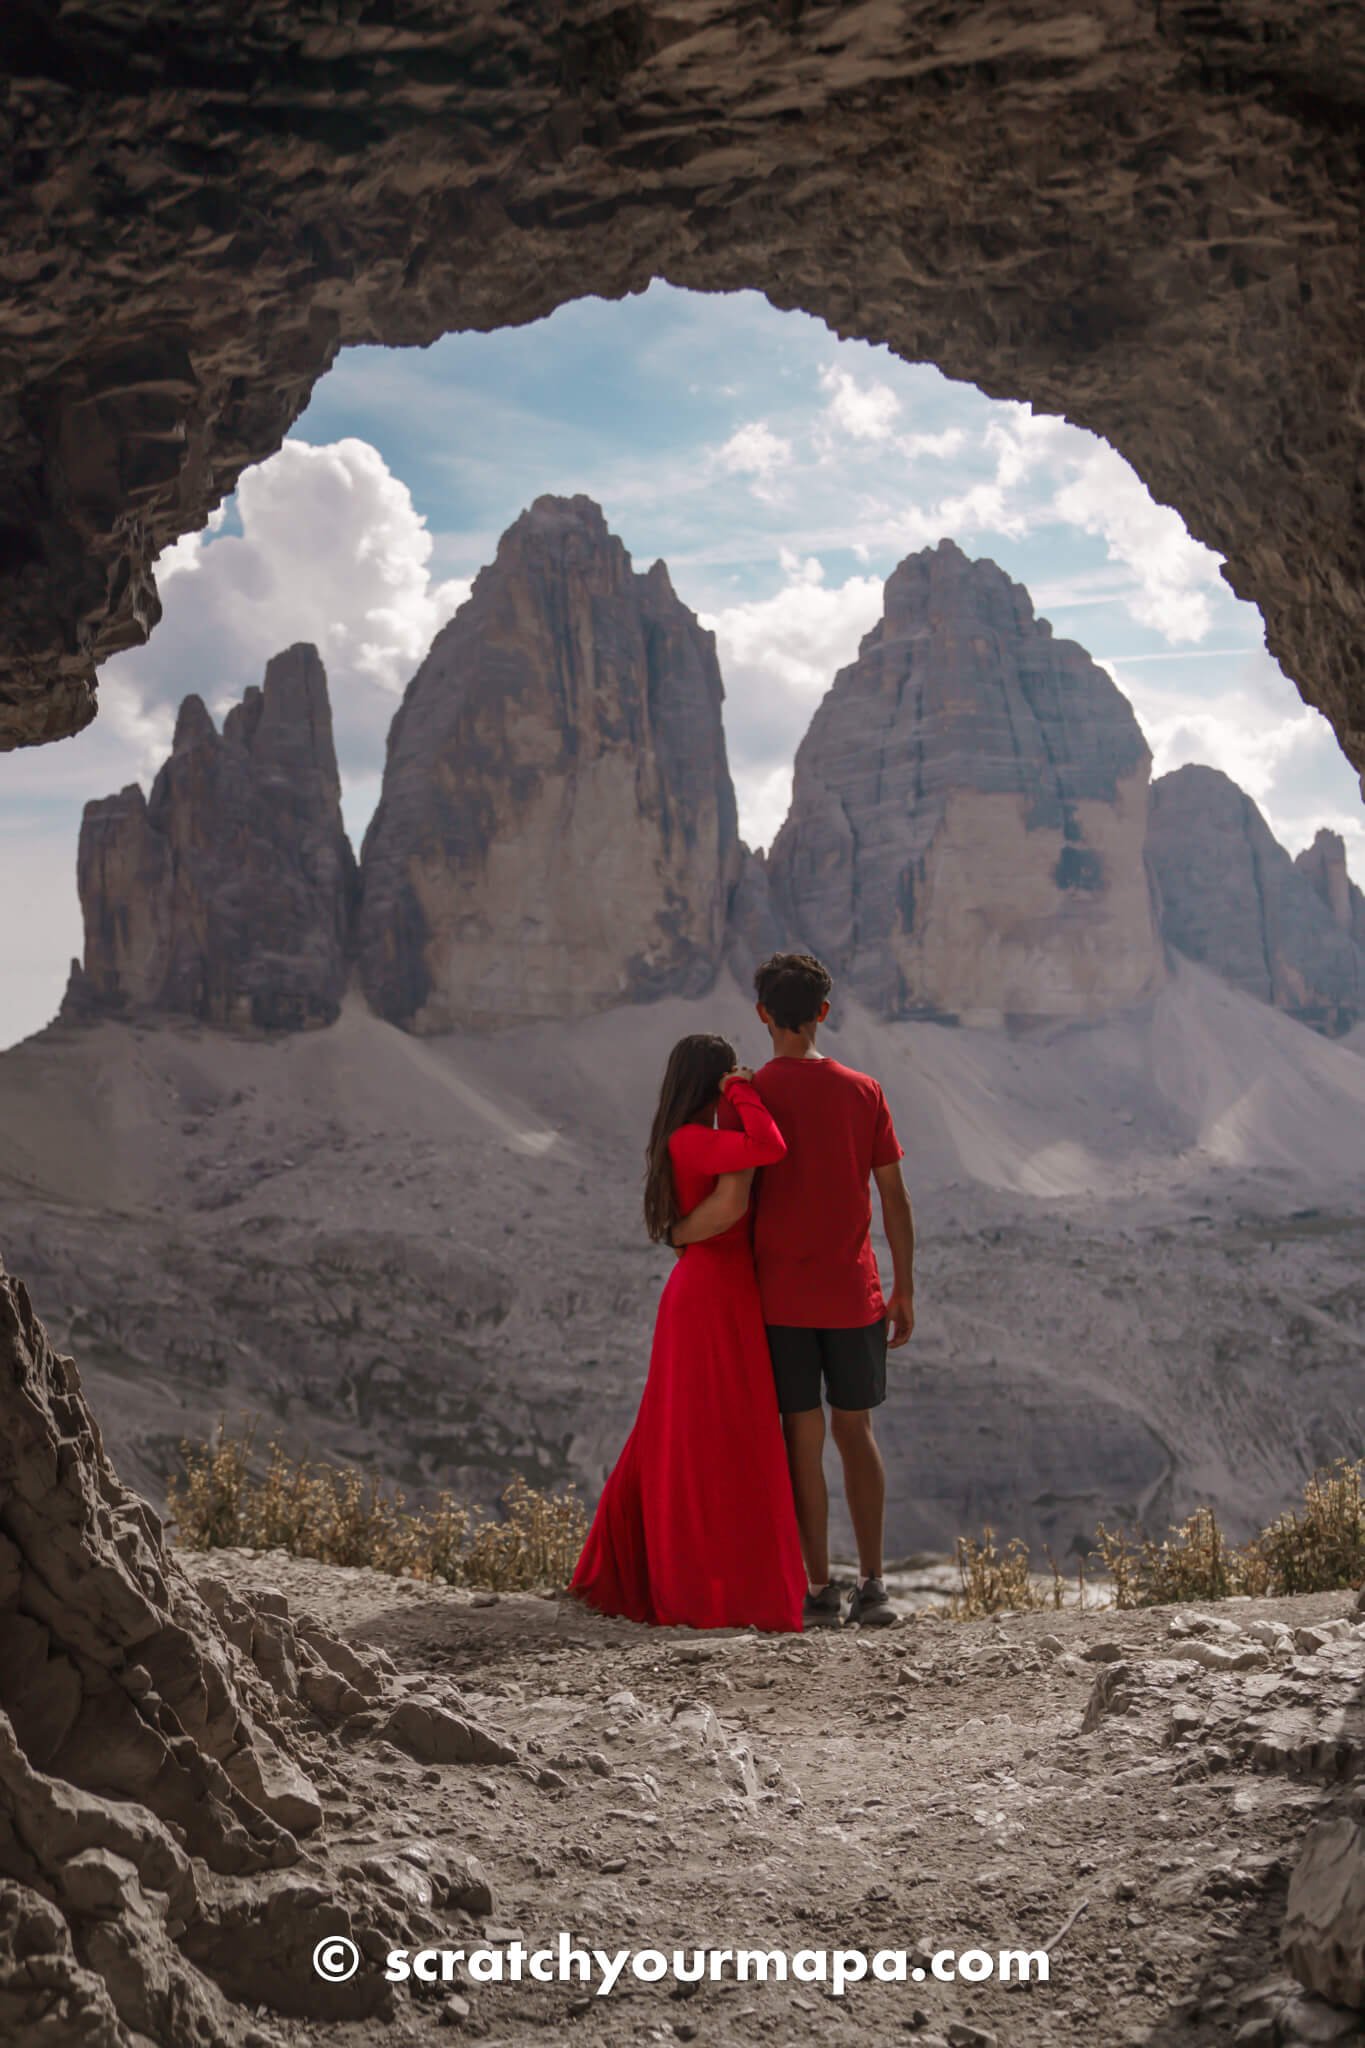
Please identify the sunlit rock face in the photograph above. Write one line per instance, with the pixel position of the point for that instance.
(1146, 218)
(968, 813)
(226, 894)
(1232, 897)
(556, 831)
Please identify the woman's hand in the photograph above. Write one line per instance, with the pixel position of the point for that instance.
(738, 1074)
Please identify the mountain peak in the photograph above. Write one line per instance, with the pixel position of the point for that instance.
(557, 827)
(213, 898)
(1290, 932)
(965, 837)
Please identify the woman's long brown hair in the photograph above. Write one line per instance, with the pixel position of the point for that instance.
(696, 1067)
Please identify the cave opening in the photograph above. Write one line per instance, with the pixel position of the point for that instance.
(1144, 219)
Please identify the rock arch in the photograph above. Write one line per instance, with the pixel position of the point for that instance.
(1143, 216)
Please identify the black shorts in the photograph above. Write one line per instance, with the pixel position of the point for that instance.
(850, 1365)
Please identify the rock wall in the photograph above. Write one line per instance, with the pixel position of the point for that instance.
(1145, 218)
(556, 831)
(1232, 897)
(1323, 864)
(968, 813)
(226, 894)
(167, 1748)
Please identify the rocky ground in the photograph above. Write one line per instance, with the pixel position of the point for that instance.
(1129, 1791)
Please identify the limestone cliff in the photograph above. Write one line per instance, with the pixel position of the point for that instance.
(557, 827)
(226, 894)
(1232, 897)
(1324, 865)
(968, 813)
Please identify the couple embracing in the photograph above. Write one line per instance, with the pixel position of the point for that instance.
(716, 1515)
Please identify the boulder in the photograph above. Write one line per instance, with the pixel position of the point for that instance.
(1323, 1939)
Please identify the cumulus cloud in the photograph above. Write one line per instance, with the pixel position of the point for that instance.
(938, 447)
(1047, 471)
(867, 412)
(754, 450)
(1174, 573)
(331, 549)
(779, 655)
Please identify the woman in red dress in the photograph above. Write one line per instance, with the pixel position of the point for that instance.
(696, 1523)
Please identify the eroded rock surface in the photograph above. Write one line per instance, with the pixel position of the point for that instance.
(556, 831)
(226, 895)
(968, 813)
(1232, 897)
(161, 1768)
(1324, 865)
(189, 240)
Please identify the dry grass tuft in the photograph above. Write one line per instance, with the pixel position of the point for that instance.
(992, 1581)
(340, 1516)
(1319, 1548)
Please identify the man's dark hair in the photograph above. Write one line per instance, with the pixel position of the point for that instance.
(791, 988)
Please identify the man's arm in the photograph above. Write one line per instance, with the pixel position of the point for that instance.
(725, 1204)
(899, 1224)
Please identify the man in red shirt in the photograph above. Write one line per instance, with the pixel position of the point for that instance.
(829, 1327)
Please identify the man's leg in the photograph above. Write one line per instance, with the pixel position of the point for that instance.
(805, 1434)
(864, 1483)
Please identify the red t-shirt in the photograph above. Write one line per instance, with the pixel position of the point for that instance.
(813, 1209)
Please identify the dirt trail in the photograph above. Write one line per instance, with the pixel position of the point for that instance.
(924, 1787)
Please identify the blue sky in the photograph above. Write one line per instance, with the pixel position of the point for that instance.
(780, 472)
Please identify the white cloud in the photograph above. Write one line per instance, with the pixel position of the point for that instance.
(1174, 573)
(937, 447)
(779, 655)
(754, 450)
(331, 550)
(866, 411)
(1049, 471)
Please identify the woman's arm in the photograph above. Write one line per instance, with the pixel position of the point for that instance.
(733, 1156)
(758, 1143)
(725, 1204)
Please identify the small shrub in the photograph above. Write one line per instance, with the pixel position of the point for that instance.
(1318, 1549)
(341, 1516)
(992, 1581)
(1193, 1562)
(1322, 1548)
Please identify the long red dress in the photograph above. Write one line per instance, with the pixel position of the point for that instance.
(696, 1523)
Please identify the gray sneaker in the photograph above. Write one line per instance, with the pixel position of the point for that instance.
(871, 1606)
(824, 1609)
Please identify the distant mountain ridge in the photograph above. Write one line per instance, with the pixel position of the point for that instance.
(972, 836)
(1233, 898)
